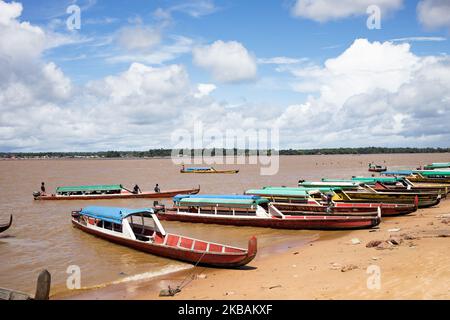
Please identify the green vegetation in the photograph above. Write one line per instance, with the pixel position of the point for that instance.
(159, 153)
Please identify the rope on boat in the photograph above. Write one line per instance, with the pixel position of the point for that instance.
(170, 292)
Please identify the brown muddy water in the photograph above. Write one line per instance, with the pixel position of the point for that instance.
(42, 235)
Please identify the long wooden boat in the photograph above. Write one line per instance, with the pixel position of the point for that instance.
(443, 191)
(380, 184)
(376, 168)
(255, 211)
(348, 208)
(207, 170)
(423, 200)
(107, 192)
(437, 165)
(140, 229)
(5, 226)
(417, 177)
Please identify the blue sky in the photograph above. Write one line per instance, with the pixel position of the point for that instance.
(285, 46)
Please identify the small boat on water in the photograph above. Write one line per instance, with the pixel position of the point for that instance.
(254, 211)
(104, 192)
(376, 168)
(140, 229)
(5, 226)
(206, 170)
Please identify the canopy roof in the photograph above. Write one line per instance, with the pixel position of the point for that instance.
(437, 165)
(198, 168)
(397, 173)
(105, 187)
(324, 188)
(377, 179)
(113, 214)
(329, 184)
(218, 200)
(283, 192)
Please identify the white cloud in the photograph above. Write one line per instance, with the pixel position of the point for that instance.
(372, 94)
(326, 10)
(9, 11)
(138, 37)
(227, 61)
(414, 39)
(434, 13)
(280, 60)
(157, 55)
(204, 89)
(193, 8)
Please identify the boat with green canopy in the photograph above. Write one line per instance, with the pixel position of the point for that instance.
(437, 165)
(108, 191)
(283, 194)
(255, 211)
(347, 184)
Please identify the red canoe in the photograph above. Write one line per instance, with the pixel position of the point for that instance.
(117, 225)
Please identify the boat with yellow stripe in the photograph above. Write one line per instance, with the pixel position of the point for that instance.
(207, 170)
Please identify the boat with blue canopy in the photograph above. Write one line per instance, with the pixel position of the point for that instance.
(141, 229)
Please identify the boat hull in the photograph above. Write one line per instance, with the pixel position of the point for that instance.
(4, 227)
(312, 222)
(213, 259)
(210, 171)
(387, 209)
(123, 195)
(424, 200)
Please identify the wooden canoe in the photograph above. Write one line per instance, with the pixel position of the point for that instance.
(348, 208)
(424, 200)
(124, 194)
(168, 245)
(4, 227)
(279, 221)
(210, 171)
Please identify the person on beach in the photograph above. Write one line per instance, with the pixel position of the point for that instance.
(43, 188)
(136, 189)
(157, 190)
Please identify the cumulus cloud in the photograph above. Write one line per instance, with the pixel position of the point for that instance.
(227, 61)
(138, 37)
(434, 13)
(373, 93)
(326, 10)
(204, 89)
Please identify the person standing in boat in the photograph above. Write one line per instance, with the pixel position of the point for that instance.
(43, 188)
(157, 190)
(136, 189)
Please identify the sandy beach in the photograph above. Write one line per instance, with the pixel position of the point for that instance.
(415, 264)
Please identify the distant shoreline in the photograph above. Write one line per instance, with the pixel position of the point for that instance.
(167, 153)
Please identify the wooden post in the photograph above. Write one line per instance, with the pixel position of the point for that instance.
(43, 286)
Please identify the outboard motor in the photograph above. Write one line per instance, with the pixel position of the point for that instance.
(36, 194)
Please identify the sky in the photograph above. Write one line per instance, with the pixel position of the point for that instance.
(129, 75)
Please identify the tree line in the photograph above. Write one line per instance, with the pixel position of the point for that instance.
(158, 153)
